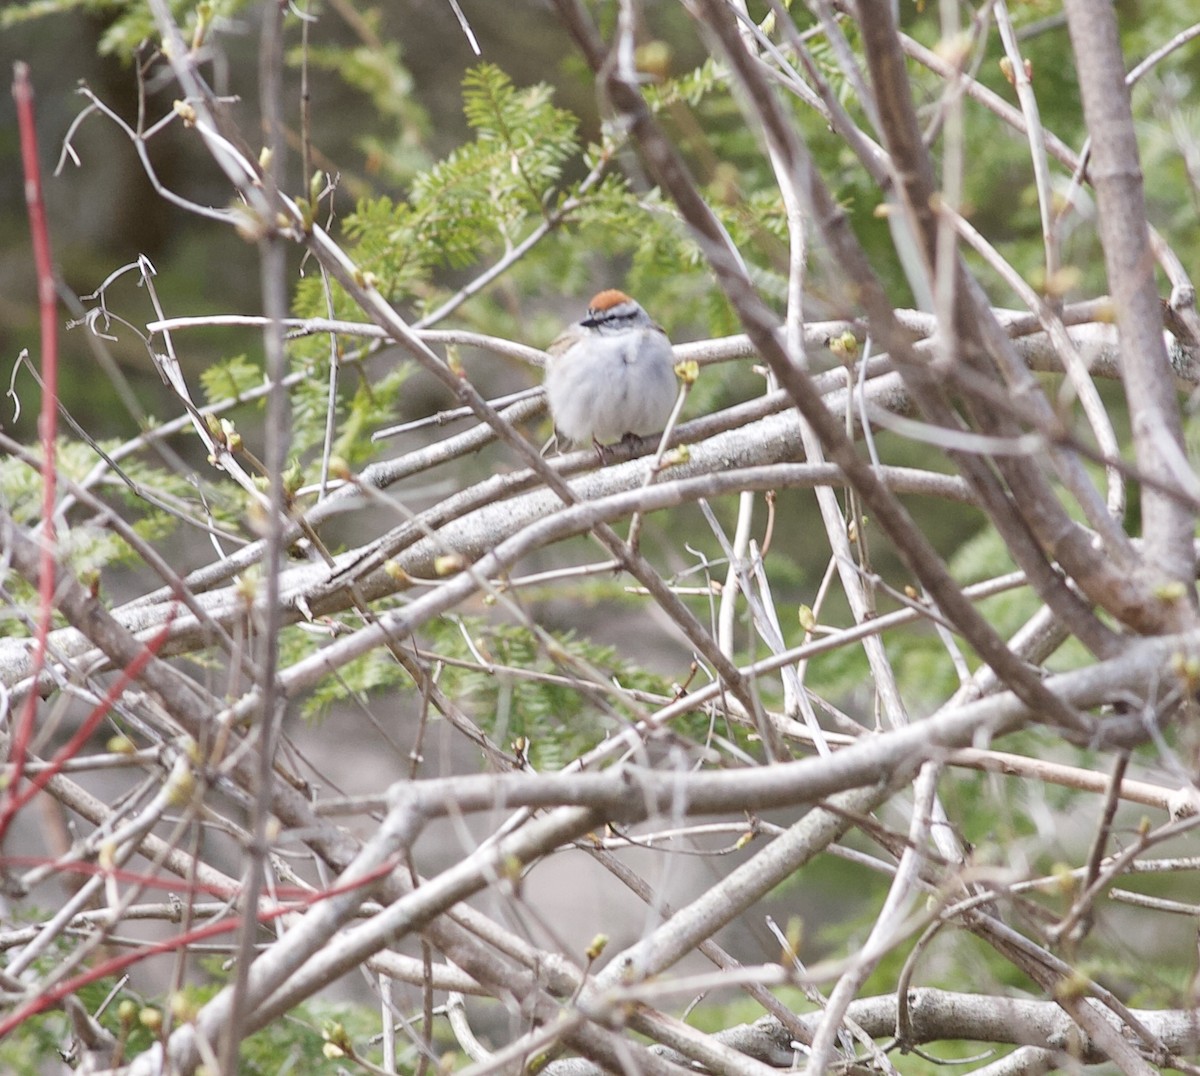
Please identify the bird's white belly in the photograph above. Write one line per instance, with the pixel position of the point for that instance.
(605, 397)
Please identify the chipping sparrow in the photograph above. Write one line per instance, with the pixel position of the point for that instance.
(612, 375)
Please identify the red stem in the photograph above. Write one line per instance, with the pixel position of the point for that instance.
(48, 421)
(17, 797)
(56, 993)
(154, 881)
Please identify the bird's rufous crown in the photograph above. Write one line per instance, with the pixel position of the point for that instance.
(607, 299)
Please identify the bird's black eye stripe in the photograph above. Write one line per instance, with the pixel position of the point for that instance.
(592, 320)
